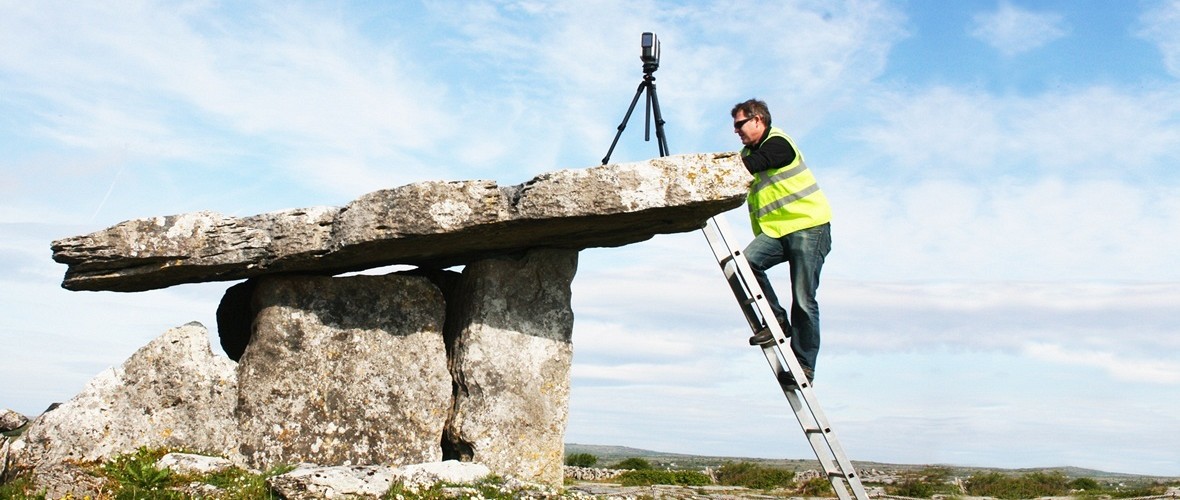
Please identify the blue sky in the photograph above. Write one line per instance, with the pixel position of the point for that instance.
(1002, 289)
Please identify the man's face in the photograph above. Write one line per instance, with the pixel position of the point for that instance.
(748, 129)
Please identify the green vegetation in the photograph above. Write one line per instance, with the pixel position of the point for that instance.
(634, 463)
(1033, 485)
(816, 487)
(490, 488)
(1084, 484)
(581, 460)
(932, 481)
(135, 476)
(649, 477)
(20, 487)
(925, 483)
(751, 475)
(1142, 491)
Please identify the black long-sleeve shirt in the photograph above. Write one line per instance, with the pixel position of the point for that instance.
(770, 153)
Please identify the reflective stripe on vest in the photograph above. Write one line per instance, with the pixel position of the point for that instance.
(786, 199)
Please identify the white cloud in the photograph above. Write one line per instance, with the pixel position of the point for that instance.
(1152, 371)
(941, 131)
(1089, 131)
(291, 79)
(1161, 25)
(1013, 30)
(955, 183)
(1109, 132)
(1134, 321)
(1009, 229)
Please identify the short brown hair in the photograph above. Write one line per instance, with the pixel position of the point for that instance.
(752, 108)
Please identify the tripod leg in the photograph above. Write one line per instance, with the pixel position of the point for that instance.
(655, 106)
(623, 124)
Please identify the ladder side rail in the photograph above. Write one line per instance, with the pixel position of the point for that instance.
(807, 409)
(845, 465)
(823, 441)
(727, 257)
(828, 463)
(751, 296)
(812, 430)
(805, 389)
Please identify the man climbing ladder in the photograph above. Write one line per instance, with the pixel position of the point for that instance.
(791, 221)
(790, 217)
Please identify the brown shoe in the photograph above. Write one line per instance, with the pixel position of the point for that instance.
(787, 379)
(763, 337)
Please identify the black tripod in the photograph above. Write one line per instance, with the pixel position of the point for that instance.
(653, 104)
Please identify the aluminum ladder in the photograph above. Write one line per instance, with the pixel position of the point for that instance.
(802, 397)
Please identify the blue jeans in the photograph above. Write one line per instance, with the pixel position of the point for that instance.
(805, 251)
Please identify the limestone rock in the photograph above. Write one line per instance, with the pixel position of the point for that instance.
(172, 392)
(371, 481)
(511, 364)
(67, 480)
(424, 476)
(4, 451)
(11, 420)
(344, 371)
(188, 463)
(312, 482)
(433, 224)
(590, 473)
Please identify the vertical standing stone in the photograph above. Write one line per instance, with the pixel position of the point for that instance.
(344, 371)
(511, 363)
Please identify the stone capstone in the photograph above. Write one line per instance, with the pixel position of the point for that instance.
(510, 363)
(173, 392)
(430, 224)
(344, 371)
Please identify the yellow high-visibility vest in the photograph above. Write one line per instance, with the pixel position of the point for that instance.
(786, 199)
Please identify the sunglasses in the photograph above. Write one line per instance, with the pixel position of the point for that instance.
(738, 124)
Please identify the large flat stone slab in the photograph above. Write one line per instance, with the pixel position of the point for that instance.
(431, 224)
